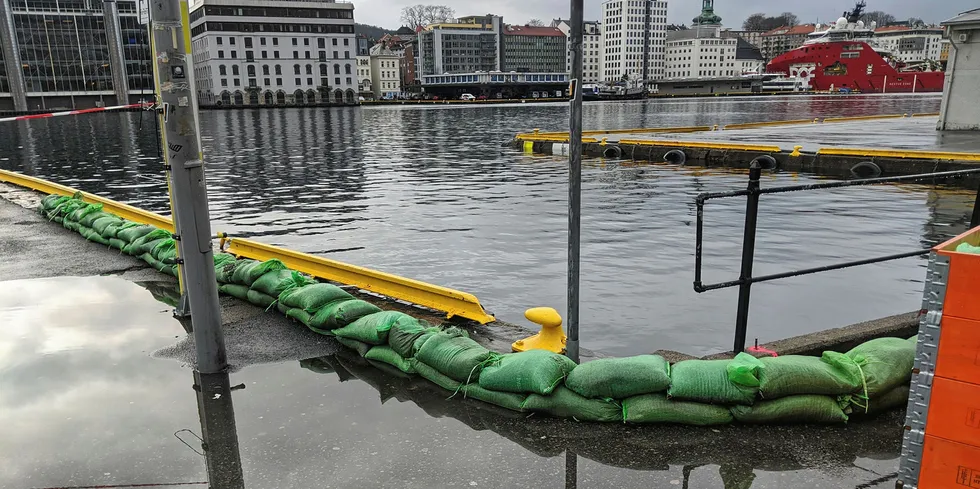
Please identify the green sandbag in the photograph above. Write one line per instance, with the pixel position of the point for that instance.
(70, 225)
(403, 335)
(248, 271)
(260, 299)
(276, 282)
(133, 233)
(506, 400)
(165, 251)
(384, 353)
(112, 230)
(893, 399)
(82, 212)
(707, 381)
(89, 218)
(372, 328)
(100, 225)
(454, 354)
(117, 243)
(968, 248)
(656, 408)
(159, 265)
(146, 243)
(91, 235)
(299, 315)
(744, 370)
(52, 201)
(564, 403)
(885, 362)
(792, 375)
(221, 259)
(68, 209)
(534, 371)
(236, 291)
(343, 312)
(422, 339)
(436, 377)
(312, 297)
(360, 347)
(619, 378)
(225, 272)
(793, 409)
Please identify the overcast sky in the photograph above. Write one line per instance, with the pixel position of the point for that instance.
(385, 13)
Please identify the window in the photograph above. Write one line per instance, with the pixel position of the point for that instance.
(278, 70)
(307, 55)
(348, 80)
(295, 42)
(234, 55)
(275, 41)
(309, 81)
(238, 82)
(309, 69)
(336, 54)
(221, 54)
(346, 54)
(336, 81)
(306, 41)
(323, 82)
(249, 56)
(219, 41)
(262, 42)
(248, 42)
(278, 82)
(224, 82)
(299, 81)
(346, 42)
(322, 55)
(334, 42)
(295, 54)
(265, 71)
(252, 82)
(251, 70)
(336, 69)
(234, 70)
(266, 82)
(347, 69)
(296, 69)
(323, 70)
(222, 70)
(321, 43)
(231, 40)
(275, 54)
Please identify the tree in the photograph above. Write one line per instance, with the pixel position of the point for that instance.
(788, 19)
(916, 22)
(882, 18)
(755, 22)
(762, 22)
(535, 23)
(416, 16)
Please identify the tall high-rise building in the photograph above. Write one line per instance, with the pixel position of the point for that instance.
(269, 52)
(468, 45)
(72, 54)
(592, 51)
(634, 34)
(537, 49)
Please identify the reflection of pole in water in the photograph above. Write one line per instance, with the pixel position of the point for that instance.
(221, 452)
(571, 469)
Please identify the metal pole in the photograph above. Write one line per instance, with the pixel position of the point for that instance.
(221, 452)
(748, 257)
(574, 177)
(173, 67)
(975, 220)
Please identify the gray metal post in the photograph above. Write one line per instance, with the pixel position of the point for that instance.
(173, 67)
(117, 59)
(574, 178)
(220, 433)
(748, 257)
(11, 57)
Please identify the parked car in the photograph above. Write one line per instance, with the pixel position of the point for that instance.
(482, 97)
(467, 97)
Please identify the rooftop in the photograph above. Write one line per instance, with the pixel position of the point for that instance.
(524, 30)
(968, 17)
(796, 30)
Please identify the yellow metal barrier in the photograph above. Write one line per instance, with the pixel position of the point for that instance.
(749, 125)
(864, 118)
(122, 210)
(702, 145)
(661, 130)
(452, 302)
(899, 153)
(551, 138)
(931, 114)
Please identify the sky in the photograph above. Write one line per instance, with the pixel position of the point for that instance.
(385, 13)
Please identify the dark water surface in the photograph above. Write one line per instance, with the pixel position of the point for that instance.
(428, 193)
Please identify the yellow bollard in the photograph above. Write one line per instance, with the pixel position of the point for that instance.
(796, 151)
(551, 337)
(536, 130)
(601, 143)
(715, 127)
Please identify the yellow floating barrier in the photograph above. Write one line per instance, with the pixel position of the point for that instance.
(864, 118)
(124, 211)
(750, 125)
(899, 153)
(702, 145)
(931, 114)
(452, 302)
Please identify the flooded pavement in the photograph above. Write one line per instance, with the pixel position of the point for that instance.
(427, 193)
(86, 402)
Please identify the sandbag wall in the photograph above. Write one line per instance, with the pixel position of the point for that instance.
(644, 389)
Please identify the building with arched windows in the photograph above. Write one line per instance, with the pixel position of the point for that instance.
(293, 53)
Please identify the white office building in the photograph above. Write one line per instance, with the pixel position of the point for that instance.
(634, 34)
(364, 83)
(706, 51)
(591, 49)
(911, 45)
(385, 72)
(274, 52)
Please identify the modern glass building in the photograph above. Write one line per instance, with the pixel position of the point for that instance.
(57, 54)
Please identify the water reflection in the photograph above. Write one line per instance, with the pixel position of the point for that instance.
(428, 193)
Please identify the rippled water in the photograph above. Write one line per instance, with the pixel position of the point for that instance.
(429, 193)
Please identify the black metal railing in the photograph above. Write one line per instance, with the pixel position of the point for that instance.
(753, 193)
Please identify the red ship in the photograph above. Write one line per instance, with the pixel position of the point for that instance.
(845, 58)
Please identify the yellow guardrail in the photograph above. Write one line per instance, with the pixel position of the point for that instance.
(930, 114)
(124, 211)
(703, 145)
(899, 153)
(749, 125)
(553, 138)
(452, 302)
(865, 118)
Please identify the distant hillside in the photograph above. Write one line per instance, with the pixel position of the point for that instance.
(371, 31)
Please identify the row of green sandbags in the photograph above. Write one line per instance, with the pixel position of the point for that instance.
(693, 392)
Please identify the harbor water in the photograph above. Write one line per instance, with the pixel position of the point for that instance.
(429, 193)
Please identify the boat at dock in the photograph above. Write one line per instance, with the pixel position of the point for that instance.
(845, 57)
